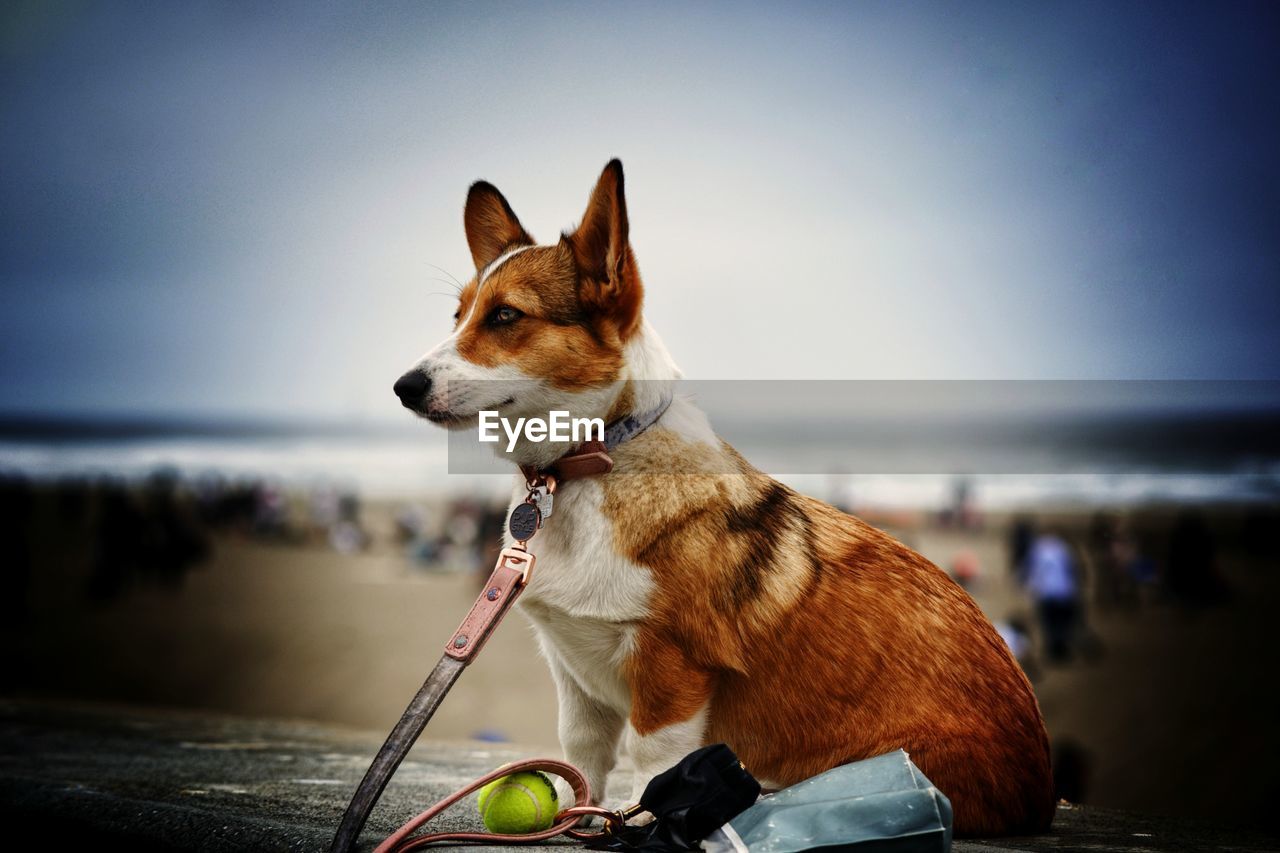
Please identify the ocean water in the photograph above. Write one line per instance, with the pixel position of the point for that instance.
(1005, 464)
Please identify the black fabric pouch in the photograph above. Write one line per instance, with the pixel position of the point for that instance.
(706, 790)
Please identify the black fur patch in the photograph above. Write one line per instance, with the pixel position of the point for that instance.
(775, 517)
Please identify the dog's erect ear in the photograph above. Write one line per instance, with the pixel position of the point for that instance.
(491, 225)
(610, 279)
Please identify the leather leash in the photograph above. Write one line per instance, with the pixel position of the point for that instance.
(500, 592)
(509, 578)
(566, 819)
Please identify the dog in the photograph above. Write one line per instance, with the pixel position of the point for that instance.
(685, 598)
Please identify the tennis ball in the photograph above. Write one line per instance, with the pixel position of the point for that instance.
(521, 802)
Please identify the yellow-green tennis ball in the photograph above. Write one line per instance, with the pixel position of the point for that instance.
(521, 802)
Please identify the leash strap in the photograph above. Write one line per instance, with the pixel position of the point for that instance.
(500, 592)
(400, 842)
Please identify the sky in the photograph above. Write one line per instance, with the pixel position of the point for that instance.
(256, 209)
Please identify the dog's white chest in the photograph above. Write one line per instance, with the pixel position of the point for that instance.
(578, 570)
(585, 599)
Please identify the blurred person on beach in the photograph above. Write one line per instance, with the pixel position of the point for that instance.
(408, 523)
(348, 535)
(462, 535)
(1192, 577)
(271, 513)
(1138, 573)
(962, 511)
(1052, 581)
(1107, 558)
(1021, 534)
(322, 511)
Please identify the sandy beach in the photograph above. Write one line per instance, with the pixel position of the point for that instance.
(1175, 716)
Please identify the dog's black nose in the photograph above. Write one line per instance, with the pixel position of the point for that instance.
(412, 387)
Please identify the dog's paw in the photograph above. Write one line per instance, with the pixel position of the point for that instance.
(564, 794)
(565, 798)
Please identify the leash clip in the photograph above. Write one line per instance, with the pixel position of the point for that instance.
(516, 557)
(539, 480)
(613, 820)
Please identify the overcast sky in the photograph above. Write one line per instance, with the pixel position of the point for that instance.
(240, 208)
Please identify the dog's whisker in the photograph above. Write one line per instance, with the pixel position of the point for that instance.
(456, 291)
(457, 283)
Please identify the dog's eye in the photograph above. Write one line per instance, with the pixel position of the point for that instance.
(502, 315)
(457, 315)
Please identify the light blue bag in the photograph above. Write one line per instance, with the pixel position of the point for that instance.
(880, 805)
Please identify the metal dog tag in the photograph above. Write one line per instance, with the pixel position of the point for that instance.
(545, 501)
(524, 522)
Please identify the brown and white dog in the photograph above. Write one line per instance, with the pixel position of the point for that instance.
(686, 598)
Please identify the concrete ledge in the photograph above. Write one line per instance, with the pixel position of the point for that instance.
(160, 781)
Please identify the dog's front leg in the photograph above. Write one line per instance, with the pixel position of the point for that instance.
(589, 732)
(670, 704)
